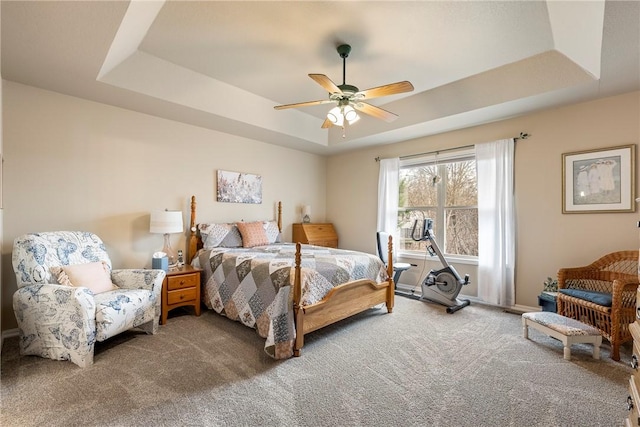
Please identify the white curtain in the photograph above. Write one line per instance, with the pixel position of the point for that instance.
(388, 194)
(496, 222)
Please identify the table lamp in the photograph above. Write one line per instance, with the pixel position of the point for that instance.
(167, 222)
(306, 214)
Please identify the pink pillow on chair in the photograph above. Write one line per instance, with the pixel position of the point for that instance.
(94, 275)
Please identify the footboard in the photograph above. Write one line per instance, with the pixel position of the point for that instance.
(341, 302)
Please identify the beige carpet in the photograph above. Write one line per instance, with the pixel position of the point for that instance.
(416, 367)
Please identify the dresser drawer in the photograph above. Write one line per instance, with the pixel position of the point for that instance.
(183, 295)
(318, 234)
(183, 281)
(635, 357)
(325, 243)
(320, 231)
(632, 402)
(634, 328)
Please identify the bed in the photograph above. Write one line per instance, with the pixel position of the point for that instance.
(284, 290)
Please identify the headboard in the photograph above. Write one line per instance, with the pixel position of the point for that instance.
(195, 241)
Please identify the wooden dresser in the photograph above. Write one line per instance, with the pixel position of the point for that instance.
(181, 287)
(315, 234)
(633, 400)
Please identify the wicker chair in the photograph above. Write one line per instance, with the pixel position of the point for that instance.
(602, 294)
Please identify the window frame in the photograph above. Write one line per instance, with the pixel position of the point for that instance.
(439, 159)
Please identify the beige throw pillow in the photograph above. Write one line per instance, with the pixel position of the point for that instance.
(253, 234)
(94, 275)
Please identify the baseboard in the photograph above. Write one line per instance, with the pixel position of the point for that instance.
(524, 309)
(8, 334)
(408, 288)
(516, 309)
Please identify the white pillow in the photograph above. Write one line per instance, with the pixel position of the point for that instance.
(272, 230)
(94, 275)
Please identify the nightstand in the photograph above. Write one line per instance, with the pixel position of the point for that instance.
(181, 287)
(547, 300)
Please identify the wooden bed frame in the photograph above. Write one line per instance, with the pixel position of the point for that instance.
(341, 302)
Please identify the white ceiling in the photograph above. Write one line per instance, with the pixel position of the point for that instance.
(225, 65)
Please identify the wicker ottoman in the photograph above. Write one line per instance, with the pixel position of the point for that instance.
(569, 331)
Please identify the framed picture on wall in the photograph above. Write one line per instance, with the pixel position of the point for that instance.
(601, 180)
(237, 187)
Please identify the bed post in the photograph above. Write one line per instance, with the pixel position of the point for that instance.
(193, 239)
(391, 290)
(280, 217)
(297, 307)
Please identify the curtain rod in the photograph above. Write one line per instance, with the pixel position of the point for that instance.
(523, 135)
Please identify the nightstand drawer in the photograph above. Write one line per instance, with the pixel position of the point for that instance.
(175, 297)
(183, 281)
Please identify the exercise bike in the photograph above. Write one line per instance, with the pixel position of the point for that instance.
(440, 286)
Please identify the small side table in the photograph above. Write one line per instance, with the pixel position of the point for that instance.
(181, 287)
(547, 300)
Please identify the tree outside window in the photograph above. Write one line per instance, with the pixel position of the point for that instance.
(445, 191)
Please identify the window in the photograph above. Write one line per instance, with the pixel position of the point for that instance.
(443, 188)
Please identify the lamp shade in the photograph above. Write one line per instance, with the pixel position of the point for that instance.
(164, 222)
(306, 210)
(350, 114)
(335, 116)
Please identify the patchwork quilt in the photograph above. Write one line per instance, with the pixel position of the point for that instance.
(255, 285)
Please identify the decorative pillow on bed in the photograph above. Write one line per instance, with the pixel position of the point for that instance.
(253, 234)
(272, 230)
(94, 275)
(220, 235)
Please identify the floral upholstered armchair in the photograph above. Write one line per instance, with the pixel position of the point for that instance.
(68, 296)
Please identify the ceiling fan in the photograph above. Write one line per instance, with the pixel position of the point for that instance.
(349, 98)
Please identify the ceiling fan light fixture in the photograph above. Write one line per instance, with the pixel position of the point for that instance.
(346, 96)
(335, 116)
(350, 114)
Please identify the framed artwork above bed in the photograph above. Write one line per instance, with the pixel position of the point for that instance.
(237, 187)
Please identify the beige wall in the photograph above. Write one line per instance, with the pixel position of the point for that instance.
(546, 238)
(1, 210)
(74, 164)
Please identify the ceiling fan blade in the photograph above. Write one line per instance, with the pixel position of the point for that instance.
(326, 124)
(390, 89)
(303, 104)
(374, 111)
(326, 83)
